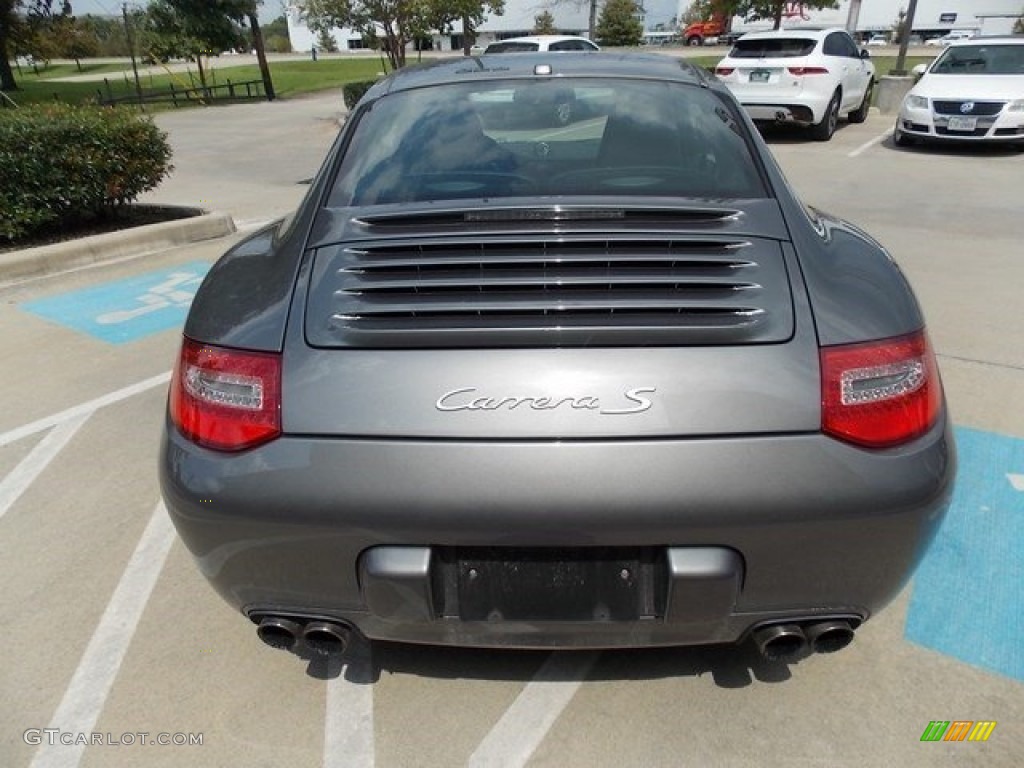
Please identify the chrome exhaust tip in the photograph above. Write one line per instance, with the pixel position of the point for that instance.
(278, 632)
(779, 642)
(326, 637)
(829, 636)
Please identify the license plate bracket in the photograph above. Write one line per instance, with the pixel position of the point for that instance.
(551, 584)
(760, 76)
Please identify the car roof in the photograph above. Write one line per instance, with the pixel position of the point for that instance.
(809, 32)
(1000, 39)
(539, 39)
(646, 66)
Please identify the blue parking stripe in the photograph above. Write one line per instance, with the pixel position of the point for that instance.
(968, 594)
(127, 310)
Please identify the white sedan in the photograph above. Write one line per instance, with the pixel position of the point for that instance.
(974, 91)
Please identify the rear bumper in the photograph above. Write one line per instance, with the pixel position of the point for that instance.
(752, 530)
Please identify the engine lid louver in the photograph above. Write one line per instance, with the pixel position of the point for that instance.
(583, 290)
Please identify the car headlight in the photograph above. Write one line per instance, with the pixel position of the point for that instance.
(1016, 106)
(916, 102)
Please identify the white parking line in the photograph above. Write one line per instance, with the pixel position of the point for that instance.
(869, 144)
(516, 736)
(86, 694)
(83, 409)
(29, 468)
(348, 727)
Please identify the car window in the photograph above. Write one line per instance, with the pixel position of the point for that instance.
(543, 137)
(564, 45)
(840, 44)
(773, 48)
(981, 60)
(509, 47)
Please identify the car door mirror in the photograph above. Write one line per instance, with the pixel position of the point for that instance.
(918, 71)
(865, 53)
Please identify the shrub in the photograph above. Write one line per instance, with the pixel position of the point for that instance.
(62, 164)
(353, 92)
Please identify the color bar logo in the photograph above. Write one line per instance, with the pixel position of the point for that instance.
(958, 730)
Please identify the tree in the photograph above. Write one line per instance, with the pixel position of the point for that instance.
(592, 23)
(79, 42)
(619, 23)
(396, 23)
(544, 24)
(325, 41)
(471, 13)
(775, 10)
(1018, 28)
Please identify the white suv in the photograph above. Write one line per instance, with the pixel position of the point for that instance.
(809, 77)
(541, 43)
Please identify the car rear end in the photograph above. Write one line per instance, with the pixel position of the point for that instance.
(778, 78)
(596, 415)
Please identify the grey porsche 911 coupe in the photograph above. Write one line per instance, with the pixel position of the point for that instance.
(510, 381)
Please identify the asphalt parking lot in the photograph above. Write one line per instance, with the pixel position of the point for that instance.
(112, 632)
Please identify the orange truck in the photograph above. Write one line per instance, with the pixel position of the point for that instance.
(706, 32)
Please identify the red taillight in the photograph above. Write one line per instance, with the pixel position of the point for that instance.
(882, 393)
(801, 71)
(723, 71)
(226, 399)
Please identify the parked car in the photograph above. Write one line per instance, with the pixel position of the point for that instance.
(948, 38)
(973, 91)
(878, 40)
(807, 77)
(537, 43)
(610, 385)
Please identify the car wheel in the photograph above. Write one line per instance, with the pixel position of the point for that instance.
(823, 131)
(694, 41)
(900, 139)
(860, 114)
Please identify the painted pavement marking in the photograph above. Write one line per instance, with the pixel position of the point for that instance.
(968, 598)
(87, 692)
(126, 310)
(516, 736)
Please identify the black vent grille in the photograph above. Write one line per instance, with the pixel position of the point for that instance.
(979, 109)
(584, 291)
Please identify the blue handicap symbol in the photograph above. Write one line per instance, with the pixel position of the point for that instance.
(129, 309)
(968, 594)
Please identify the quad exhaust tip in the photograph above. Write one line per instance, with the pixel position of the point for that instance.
(322, 637)
(781, 642)
(326, 637)
(829, 636)
(279, 632)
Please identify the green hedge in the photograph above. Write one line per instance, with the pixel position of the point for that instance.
(353, 92)
(61, 165)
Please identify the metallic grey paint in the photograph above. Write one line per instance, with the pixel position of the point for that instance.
(761, 517)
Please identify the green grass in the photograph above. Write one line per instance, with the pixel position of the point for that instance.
(291, 79)
(67, 70)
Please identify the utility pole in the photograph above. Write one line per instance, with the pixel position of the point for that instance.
(853, 17)
(593, 19)
(131, 50)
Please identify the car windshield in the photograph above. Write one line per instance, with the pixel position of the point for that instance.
(512, 47)
(772, 48)
(981, 60)
(541, 137)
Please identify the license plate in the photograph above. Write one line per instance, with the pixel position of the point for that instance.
(760, 76)
(962, 123)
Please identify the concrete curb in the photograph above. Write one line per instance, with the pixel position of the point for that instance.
(138, 241)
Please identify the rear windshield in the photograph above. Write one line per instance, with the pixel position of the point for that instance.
(547, 137)
(772, 48)
(981, 60)
(511, 47)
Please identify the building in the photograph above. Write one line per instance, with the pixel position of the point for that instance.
(931, 19)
